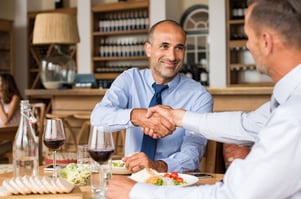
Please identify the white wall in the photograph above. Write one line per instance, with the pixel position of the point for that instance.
(217, 43)
(157, 11)
(84, 46)
(21, 48)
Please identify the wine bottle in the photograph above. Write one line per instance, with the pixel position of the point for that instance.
(204, 75)
(189, 72)
(58, 4)
(26, 145)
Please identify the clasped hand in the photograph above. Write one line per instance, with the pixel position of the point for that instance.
(163, 114)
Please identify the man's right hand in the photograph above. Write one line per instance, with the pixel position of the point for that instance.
(155, 125)
(173, 116)
(119, 187)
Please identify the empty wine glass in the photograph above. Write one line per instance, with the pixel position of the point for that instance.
(100, 148)
(54, 138)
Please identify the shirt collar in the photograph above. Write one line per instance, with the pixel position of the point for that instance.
(286, 85)
(171, 85)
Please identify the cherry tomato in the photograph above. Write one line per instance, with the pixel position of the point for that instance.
(180, 179)
(167, 175)
(174, 175)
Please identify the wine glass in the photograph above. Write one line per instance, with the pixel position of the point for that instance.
(54, 138)
(101, 148)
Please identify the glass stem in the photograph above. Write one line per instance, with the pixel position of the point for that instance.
(54, 165)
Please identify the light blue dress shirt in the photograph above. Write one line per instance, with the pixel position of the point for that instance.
(273, 167)
(133, 89)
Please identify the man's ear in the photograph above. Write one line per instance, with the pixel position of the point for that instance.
(267, 43)
(147, 48)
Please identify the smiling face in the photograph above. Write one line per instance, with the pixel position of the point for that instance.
(166, 51)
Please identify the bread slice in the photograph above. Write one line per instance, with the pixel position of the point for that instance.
(144, 174)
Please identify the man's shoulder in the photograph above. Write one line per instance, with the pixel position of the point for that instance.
(193, 84)
(135, 71)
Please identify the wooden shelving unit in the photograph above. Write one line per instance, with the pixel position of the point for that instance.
(241, 68)
(6, 46)
(38, 52)
(119, 31)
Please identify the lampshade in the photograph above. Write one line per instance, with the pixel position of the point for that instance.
(55, 28)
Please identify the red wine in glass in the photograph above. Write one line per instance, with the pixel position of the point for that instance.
(53, 138)
(101, 148)
(101, 155)
(54, 143)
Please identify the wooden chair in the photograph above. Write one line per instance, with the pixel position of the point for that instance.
(119, 142)
(212, 160)
(83, 135)
(39, 111)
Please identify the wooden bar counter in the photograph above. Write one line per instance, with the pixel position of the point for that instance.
(84, 100)
(240, 98)
(72, 101)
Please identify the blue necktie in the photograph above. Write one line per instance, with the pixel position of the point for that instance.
(149, 144)
(274, 104)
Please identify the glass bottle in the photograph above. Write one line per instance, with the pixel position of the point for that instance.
(58, 69)
(204, 75)
(25, 146)
(58, 4)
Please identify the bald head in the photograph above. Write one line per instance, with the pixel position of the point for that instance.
(165, 25)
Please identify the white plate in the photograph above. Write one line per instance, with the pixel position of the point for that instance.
(189, 179)
(120, 170)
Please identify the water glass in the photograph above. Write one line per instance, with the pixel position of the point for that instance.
(100, 174)
(83, 156)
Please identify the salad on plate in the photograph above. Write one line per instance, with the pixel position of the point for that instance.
(78, 174)
(151, 176)
(118, 167)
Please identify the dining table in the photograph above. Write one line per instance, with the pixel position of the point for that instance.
(8, 132)
(81, 192)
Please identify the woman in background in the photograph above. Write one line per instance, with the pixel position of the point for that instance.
(10, 98)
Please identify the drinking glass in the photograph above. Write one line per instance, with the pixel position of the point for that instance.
(83, 154)
(54, 138)
(101, 148)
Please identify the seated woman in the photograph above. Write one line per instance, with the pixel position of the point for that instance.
(10, 98)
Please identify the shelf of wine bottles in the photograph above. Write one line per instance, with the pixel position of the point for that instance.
(196, 72)
(238, 9)
(117, 67)
(241, 55)
(237, 32)
(127, 20)
(122, 46)
(119, 32)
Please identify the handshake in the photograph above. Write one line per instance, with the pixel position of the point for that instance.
(158, 121)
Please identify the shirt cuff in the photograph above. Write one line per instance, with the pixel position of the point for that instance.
(171, 164)
(124, 118)
(191, 121)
